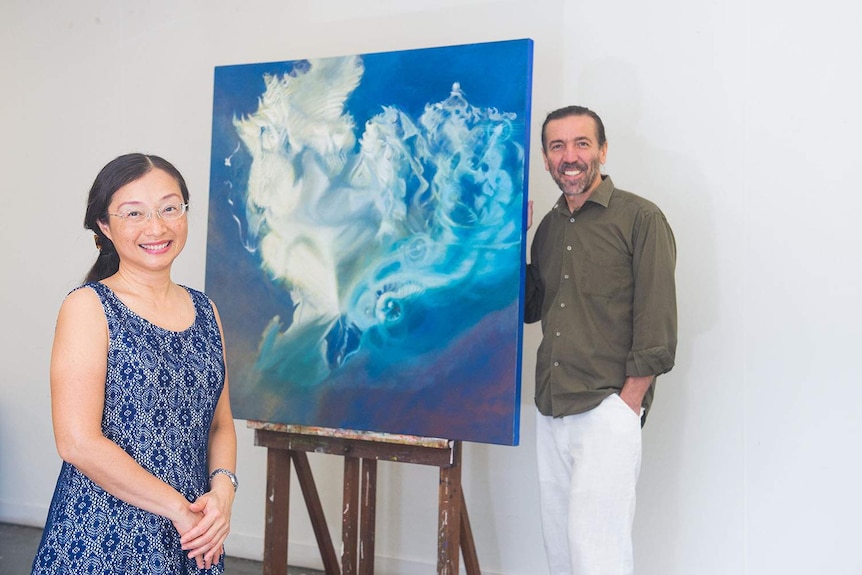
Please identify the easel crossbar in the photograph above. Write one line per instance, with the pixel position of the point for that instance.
(417, 454)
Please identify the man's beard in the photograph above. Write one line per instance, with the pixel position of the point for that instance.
(589, 173)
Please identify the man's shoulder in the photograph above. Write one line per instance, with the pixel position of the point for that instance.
(625, 200)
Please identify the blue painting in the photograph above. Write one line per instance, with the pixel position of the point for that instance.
(366, 235)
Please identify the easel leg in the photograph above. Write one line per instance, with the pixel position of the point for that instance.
(315, 512)
(277, 512)
(449, 520)
(367, 517)
(350, 516)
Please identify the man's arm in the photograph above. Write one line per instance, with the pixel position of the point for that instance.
(533, 295)
(654, 304)
(533, 289)
(634, 390)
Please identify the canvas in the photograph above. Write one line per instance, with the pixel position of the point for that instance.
(366, 239)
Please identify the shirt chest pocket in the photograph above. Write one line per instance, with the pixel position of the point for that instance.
(604, 273)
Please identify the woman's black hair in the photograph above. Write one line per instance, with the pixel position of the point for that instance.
(116, 174)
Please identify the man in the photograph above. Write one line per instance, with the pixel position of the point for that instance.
(601, 279)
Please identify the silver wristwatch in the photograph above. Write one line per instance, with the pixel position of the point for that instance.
(230, 475)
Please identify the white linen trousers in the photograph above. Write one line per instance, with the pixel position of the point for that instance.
(588, 467)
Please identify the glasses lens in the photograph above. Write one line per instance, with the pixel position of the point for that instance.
(134, 216)
(172, 211)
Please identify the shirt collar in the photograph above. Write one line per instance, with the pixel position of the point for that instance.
(601, 195)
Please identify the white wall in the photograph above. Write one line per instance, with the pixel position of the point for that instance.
(738, 118)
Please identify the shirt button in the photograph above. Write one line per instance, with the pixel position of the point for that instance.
(556, 364)
(562, 305)
(565, 277)
(557, 334)
(569, 248)
(572, 220)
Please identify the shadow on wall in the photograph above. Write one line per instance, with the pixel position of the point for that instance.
(646, 165)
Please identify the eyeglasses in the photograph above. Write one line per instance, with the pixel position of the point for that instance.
(167, 213)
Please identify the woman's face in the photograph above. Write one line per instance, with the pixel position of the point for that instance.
(153, 242)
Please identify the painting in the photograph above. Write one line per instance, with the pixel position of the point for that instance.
(366, 237)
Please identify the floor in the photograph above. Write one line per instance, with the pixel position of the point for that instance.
(18, 547)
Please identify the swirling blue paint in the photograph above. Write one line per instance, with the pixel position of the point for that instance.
(390, 237)
(390, 244)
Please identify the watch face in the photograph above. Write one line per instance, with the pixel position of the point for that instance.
(229, 475)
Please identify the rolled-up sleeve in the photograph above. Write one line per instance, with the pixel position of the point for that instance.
(654, 315)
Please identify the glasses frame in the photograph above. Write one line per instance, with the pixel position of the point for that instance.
(184, 208)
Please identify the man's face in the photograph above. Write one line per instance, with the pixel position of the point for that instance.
(573, 156)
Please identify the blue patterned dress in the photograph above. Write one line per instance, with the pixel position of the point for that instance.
(160, 395)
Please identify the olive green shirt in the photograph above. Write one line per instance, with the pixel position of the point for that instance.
(601, 279)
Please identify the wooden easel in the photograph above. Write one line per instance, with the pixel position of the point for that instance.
(361, 451)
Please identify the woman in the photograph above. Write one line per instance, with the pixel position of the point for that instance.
(139, 395)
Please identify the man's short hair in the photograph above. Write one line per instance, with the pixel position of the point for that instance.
(575, 111)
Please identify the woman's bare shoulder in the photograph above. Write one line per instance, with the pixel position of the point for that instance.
(82, 306)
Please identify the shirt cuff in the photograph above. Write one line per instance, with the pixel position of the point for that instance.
(650, 361)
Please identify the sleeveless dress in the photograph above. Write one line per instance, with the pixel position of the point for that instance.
(161, 392)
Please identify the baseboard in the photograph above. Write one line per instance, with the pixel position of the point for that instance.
(243, 545)
(308, 555)
(23, 513)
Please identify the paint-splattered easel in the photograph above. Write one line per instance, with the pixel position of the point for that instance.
(361, 451)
